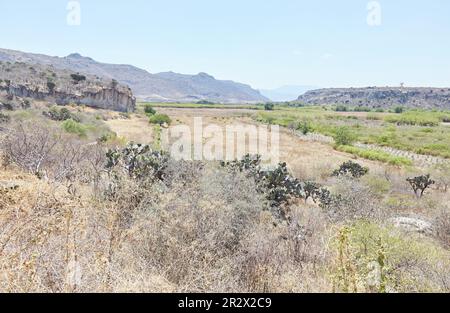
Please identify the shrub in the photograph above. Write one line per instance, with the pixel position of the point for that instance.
(114, 84)
(48, 152)
(399, 110)
(374, 258)
(107, 137)
(350, 200)
(351, 168)
(343, 136)
(78, 78)
(341, 108)
(149, 110)
(305, 127)
(60, 115)
(377, 184)
(4, 118)
(278, 185)
(250, 164)
(311, 190)
(442, 226)
(137, 161)
(281, 186)
(74, 127)
(160, 119)
(51, 86)
(268, 106)
(420, 184)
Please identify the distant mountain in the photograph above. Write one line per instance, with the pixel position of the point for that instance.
(146, 86)
(286, 93)
(381, 97)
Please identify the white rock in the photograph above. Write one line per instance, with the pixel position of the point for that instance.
(413, 224)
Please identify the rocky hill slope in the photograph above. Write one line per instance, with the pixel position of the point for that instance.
(146, 86)
(19, 81)
(381, 97)
(286, 93)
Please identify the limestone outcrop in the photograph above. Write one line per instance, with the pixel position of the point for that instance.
(19, 81)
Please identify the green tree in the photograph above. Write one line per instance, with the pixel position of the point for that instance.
(420, 184)
(351, 168)
(160, 119)
(268, 106)
(51, 86)
(78, 78)
(399, 110)
(149, 110)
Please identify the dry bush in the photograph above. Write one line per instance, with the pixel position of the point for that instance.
(285, 257)
(212, 232)
(33, 241)
(442, 226)
(47, 152)
(199, 229)
(354, 200)
(189, 233)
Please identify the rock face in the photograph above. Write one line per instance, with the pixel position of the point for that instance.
(167, 86)
(19, 81)
(380, 97)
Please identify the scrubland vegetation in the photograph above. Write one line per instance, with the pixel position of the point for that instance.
(422, 132)
(199, 105)
(82, 210)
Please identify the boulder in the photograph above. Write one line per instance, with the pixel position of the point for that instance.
(413, 224)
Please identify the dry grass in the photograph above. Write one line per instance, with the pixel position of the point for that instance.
(135, 129)
(204, 229)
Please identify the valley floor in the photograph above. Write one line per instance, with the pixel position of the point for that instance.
(96, 214)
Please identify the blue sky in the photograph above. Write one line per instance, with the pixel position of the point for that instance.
(265, 43)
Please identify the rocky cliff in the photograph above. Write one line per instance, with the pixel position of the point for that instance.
(19, 81)
(381, 97)
(146, 86)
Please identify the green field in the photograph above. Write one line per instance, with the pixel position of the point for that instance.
(422, 132)
(200, 106)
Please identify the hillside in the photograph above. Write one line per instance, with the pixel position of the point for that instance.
(146, 86)
(286, 93)
(381, 97)
(20, 82)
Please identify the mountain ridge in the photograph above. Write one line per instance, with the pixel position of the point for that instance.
(286, 92)
(166, 86)
(380, 97)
